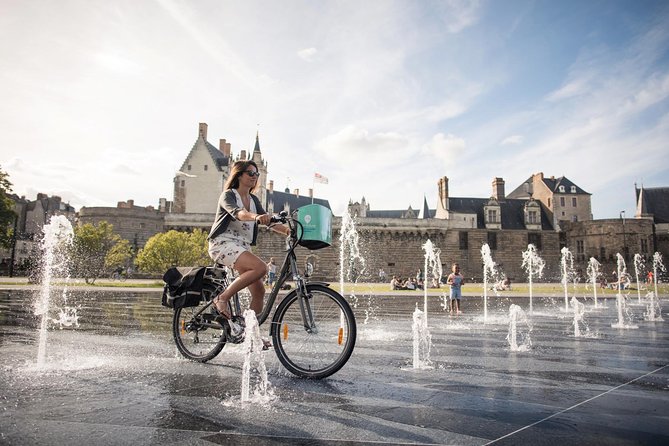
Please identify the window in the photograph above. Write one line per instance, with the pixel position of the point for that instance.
(189, 167)
(574, 218)
(562, 189)
(183, 183)
(562, 201)
(464, 240)
(573, 189)
(602, 253)
(644, 245)
(532, 217)
(492, 215)
(534, 239)
(549, 202)
(580, 247)
(492, 240)
(573, 202)
(205, 167)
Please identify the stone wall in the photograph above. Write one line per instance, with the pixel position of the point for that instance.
(397, 247)
(135, 224)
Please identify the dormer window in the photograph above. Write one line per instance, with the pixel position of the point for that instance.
(561, 189)
(493, 214)
(573, 189)
(532, 215)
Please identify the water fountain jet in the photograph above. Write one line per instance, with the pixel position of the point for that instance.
(534, 265)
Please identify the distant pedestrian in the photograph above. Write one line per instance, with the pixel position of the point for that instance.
(455, 280)
(382, 275)
(271, 271)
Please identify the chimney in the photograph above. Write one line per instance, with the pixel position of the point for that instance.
(224, 147)
(297, 192)
(311, 193)
(202, 131)
(443, 192)
(271, 186)
(498, 188)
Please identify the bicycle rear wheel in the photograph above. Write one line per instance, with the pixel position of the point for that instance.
(197, 336)
(319, 352)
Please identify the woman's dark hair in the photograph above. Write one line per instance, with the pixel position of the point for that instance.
(238, 170)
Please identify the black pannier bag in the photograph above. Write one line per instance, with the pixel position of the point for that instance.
(183, 287)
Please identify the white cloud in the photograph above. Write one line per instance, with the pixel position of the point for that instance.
(353, 145)
(512, 140)
(458, 15)
(448, 148)
(307, 53)
(118, 64)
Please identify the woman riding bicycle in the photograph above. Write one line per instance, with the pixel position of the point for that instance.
(235, 230)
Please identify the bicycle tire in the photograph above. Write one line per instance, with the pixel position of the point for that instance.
(317, 354)
(195, 340)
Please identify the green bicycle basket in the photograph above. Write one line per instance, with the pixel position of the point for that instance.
(316, 223)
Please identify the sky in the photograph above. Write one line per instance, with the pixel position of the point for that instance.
(101, 100)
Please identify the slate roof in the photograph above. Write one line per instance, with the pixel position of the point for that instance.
(512, 210)
(50, 204)
(220, 161)
(551, 183)
(554, 185)
(654, 201)
(281, 198)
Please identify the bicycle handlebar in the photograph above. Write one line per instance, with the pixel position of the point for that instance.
(281, 217)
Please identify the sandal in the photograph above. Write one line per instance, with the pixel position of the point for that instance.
(266, 344)
(225, 313)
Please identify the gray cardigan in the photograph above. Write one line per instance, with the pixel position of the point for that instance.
(227, 211)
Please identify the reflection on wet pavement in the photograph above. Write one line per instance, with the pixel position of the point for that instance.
(118, 379)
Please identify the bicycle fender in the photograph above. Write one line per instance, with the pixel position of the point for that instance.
(316, 282)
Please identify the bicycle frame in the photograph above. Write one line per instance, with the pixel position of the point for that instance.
(288, 268)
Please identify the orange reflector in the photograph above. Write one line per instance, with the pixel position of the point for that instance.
(341, 335)
(183, 327)
(285, 331)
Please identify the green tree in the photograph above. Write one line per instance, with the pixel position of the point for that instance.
(173, 248)
(94, 248)
(7, 214)
(119, 255)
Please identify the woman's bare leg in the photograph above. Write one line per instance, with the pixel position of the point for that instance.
(251, 270)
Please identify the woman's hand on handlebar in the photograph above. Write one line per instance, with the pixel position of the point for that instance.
(263, 219)
(275, 224)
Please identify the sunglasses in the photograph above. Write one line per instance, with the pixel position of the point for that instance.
(252, 173)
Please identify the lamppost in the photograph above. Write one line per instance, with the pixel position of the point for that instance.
(622, 218)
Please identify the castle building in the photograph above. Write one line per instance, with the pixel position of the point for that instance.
(137, 224)
(562, 199)
(653, 205)
(459, 226)
(548, 212)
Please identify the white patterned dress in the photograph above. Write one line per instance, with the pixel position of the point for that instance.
(227, 247)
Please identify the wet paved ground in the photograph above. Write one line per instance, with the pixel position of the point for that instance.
(117, 379)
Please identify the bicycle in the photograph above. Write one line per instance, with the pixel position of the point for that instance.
(313, 328)
(119, 274)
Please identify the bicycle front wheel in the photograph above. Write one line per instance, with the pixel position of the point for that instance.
(319, 350)
(197, 336)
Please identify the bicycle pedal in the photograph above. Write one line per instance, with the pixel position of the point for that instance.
(235, 329)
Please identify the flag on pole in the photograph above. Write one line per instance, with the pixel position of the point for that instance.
(318, 178)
